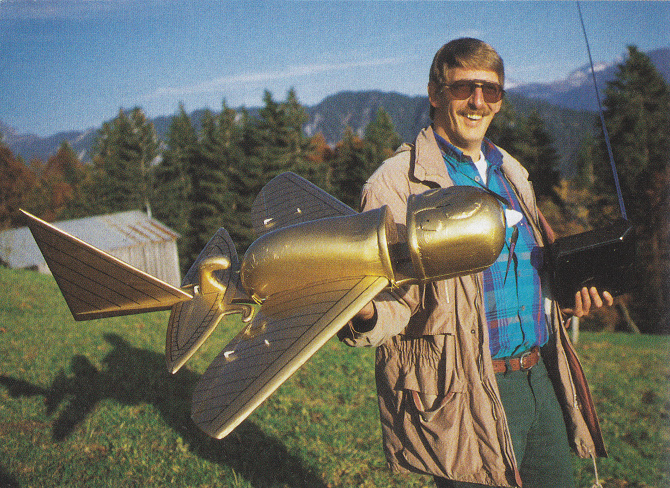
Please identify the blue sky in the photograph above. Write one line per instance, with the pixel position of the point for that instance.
(71, 64)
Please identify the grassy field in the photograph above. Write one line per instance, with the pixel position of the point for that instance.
(91, 404)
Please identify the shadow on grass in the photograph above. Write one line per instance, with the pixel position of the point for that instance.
(6, 481)
(134, 376)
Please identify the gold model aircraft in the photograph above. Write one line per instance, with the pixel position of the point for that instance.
(315, 264)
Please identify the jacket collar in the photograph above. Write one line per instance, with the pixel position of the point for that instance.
(429, 160)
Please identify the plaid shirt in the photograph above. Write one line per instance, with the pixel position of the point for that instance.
(512, 289)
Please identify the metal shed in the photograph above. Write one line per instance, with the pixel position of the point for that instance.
(133, 237)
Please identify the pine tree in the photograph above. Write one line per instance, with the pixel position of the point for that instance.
(246, 180)
(65, 164)
(351, 168)
(527, 139)
(637, 116)
(278, 142)
(586, 162)
(381, 140)
(355, 159)
(123, 155)
(504, 129)
(212, 201)
(146, 146)
(272, 143)
(63, 177)
(539, 157)
(172, 185)
(320, 159)
(297, 146)
(237, 216)
(17, 184)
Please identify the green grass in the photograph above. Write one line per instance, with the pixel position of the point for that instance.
(91, 404)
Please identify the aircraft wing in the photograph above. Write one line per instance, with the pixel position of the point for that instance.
(217, 285)
(289, 328)
(94, 283)
(290, 199)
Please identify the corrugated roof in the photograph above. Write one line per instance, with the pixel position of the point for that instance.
(107, 232)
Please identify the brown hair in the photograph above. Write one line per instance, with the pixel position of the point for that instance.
(467, 53)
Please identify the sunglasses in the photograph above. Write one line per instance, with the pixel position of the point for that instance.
(462, 90)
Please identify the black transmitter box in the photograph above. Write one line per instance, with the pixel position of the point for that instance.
(603, 258)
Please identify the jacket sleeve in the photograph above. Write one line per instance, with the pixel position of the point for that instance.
(393, 307)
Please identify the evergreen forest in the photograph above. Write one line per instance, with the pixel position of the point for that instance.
(199, 178)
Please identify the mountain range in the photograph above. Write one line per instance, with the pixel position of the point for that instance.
(576, 92)
(567, 106)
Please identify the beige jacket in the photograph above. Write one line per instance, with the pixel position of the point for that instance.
(440, 408)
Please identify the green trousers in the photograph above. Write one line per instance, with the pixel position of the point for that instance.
(538, 431)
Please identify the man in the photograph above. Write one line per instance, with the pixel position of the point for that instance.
(476, 379)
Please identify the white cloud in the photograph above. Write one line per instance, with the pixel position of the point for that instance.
(264, 77)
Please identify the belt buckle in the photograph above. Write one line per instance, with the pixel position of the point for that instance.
(522, 358)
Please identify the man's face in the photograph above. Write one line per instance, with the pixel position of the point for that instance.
(463, 122)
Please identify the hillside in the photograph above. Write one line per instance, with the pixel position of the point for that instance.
(358, 109)
(410, 115)
(332, 116)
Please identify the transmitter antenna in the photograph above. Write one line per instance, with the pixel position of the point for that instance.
(602, 120)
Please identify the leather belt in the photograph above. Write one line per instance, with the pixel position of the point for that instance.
(518, 363)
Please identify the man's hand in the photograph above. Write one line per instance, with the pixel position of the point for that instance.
(364, 321)
(587, 298)
(366, 313)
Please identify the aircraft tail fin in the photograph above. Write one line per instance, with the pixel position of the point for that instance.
(217, 291)
(96, 284)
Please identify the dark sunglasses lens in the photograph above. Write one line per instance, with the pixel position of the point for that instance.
(492, 93)
(464, 89)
